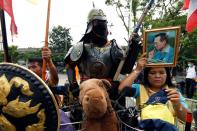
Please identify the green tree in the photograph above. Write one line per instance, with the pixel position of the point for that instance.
(125, 6)
(1, 56)
(32, 54)
(159, 15)
(13, 52)
(16, 55)
(60, 39)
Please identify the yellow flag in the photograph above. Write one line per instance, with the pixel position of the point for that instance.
(33, 1)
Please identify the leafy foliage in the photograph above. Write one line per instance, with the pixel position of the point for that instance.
(13, 53)
(1, 56)
(60, 39)
(59, 42)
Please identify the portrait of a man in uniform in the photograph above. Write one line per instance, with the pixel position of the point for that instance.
(161, 46)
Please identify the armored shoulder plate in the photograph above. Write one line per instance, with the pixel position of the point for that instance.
(76, 51)
(26, 102)
(67, 57)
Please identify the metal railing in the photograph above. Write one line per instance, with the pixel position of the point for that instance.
(192, 106)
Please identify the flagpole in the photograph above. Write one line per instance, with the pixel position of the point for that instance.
(4, 37)
(46, 39)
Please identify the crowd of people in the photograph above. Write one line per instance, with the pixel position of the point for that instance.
(97, 57)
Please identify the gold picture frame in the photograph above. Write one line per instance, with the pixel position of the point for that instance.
(162, 46)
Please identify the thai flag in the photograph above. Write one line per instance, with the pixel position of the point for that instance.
(6, 5)
(192, 14)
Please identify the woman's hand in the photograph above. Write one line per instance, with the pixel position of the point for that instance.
(141, 63)
(151, 54)
(174, 96)
(134, 38)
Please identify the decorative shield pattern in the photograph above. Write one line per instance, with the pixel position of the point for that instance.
(26, 102)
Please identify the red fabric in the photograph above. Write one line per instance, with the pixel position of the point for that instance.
(191, 5)
(6, 5)
(189, 117)
(192, 22)
(185, 5)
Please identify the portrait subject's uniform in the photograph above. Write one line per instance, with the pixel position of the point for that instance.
(164, 56)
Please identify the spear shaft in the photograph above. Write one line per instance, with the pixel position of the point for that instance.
(130, 43)
(46, 39)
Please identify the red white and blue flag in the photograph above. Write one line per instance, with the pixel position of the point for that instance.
(191, 5)
(6, 5)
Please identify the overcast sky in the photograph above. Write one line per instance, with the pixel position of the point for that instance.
(31, 20)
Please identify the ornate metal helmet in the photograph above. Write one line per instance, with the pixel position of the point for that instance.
(94, 14)
(26, 102)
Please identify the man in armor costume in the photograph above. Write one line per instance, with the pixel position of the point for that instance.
(95, 56)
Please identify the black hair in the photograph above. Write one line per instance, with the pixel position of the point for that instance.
(163, 36)
(168, 78)
(36, 59)
(191, 61)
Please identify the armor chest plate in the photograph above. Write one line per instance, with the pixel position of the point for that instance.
(96, 61)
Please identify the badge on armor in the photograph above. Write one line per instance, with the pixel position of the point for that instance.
(26, 102)
(97, 69)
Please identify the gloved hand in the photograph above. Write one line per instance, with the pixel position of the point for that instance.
(134, 39)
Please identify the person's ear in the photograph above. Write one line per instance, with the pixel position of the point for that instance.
(105, 83)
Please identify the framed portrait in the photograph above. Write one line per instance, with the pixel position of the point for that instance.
(162, 46)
